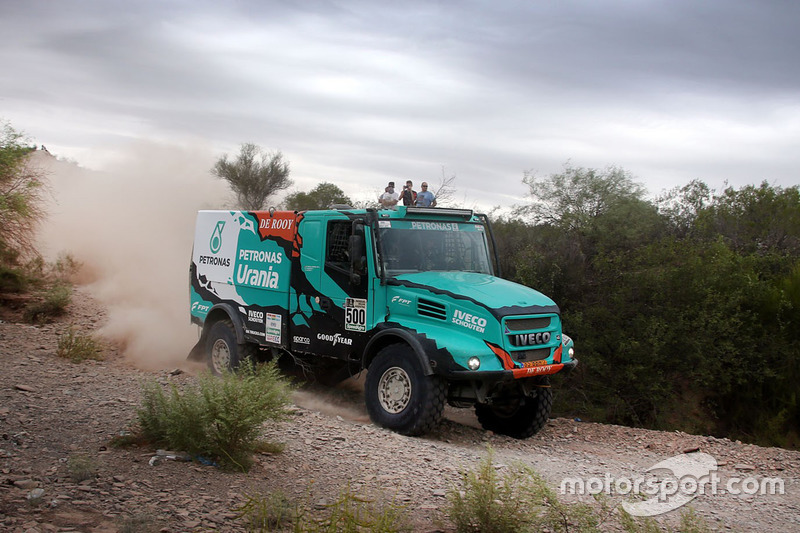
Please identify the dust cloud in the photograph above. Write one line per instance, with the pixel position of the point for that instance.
(131, 225)
(345, 399)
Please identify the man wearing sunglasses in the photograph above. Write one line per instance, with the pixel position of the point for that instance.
(425, 198)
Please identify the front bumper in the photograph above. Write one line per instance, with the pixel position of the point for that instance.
(514, 373)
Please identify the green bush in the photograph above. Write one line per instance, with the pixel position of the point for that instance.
(22, 189)
(81, 467)
(139, 522)
(12, 280)
(355, 513)
(53, 304)
(265, 513)
(217, 418)
(77, 347)
(519, 500)
(351, 512)
(66, 266)
(690, 522)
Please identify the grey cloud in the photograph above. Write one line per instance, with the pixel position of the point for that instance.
(486, 89)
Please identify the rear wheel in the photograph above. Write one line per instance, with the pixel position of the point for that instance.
(222, 351)
(516, 415)
(399, 395)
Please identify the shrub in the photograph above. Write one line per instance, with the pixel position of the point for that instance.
(22, 188)
(139, 522)
(354, 513)
(350, 513)
(66, 267)
(77, 347)
(12, 280)
(81, 467)
(55, 302)
(265, 513)
(520, 500)
(217, 418)
(690, 522)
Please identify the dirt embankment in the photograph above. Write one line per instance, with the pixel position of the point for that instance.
(51, 410)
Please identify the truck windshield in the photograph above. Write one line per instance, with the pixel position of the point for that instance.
(431, 246)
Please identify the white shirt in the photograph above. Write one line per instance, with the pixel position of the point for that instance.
(386, 198)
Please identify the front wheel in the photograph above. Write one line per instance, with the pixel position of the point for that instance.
(399, 395)
(222, 350)
(517, 416)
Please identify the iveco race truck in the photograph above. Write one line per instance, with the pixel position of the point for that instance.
(409, 295)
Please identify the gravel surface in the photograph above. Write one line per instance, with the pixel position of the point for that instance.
(52, 410)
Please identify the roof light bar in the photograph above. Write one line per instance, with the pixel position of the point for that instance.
(438, 211)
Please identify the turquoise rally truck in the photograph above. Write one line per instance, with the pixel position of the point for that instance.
(410, 295)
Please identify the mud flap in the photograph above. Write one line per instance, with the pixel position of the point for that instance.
(198, 353)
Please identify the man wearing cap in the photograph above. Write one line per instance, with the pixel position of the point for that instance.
(389, 199)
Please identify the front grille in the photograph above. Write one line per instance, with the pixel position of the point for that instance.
(530, 340)
(431, 309)
(522, 324)
(531, 355)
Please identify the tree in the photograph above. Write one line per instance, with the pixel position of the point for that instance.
(756, 219)
(571, 199)
(21, 187)
(444, 191)
(254, 176)
(320, 197)
(682, 205)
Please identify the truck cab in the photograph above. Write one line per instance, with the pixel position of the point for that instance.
(409, 295)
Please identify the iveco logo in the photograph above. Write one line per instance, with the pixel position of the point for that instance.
(530, 339)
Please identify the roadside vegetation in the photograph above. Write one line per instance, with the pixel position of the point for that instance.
(491, 498)
(48, 289)
(685, 309)
(81, 467)
(77, 346)
(21, 191)
(216, 419)
(351, 511)
(30, 288)
(516, 500)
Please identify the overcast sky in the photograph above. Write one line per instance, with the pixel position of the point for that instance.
(357, 92)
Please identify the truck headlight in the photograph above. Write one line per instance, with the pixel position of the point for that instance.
(572, 353)
(474, 363)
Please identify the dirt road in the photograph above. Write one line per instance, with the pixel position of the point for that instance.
(52, 410)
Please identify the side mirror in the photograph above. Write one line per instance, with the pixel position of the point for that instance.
(358, 263)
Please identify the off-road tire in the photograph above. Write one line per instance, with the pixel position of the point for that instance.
(222, 351)
(520, 417)
(398, 394)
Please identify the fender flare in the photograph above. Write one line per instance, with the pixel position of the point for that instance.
(232, 314)
(392, 336)
(215, 314)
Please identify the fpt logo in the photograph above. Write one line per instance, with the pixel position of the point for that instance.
(216, 237)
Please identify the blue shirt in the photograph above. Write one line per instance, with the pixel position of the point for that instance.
(425, 198)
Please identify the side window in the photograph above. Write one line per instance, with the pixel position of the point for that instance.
(336, 253)
(337, 258)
